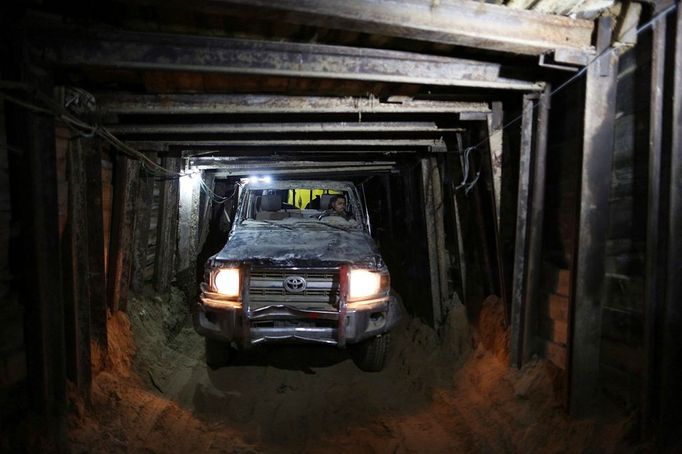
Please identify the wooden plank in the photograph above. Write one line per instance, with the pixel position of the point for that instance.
(41, 285)
(96, 247)
(438, 218)
(670, 399)
(205, 208)
(123, 225)
(585, 324)
(188, 233)
(274, 104)
(143, 204)
(107, 204)
(456, 22)
(653, 291)
(427, 165)
(518, 303)
(164, 264)
(535, 223)
(76, 273)
(64, 46)
(5, 206)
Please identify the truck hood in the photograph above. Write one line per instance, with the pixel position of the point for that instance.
(301, 247)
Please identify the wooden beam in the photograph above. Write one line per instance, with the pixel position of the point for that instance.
(652, 289)
(167, 228)
(536, 221)
(192, 147)
(188, 233)
(456, 22)
(671, 327)
(588, 273)
(5, 205)
(41, 284)
(518, 303)
(205, 208)
(143, 204)
(274, 104)
(494, 122)
(63, 46)
(123, 225)
(429, 166)
(96, 265)
(76, 273)
(257, 128)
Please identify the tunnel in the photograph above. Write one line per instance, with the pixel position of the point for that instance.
(362, 226)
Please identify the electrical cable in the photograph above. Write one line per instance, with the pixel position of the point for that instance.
(569, 81)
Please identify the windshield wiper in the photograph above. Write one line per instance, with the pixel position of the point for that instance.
(338, 227)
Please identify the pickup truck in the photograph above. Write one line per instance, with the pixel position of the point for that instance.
(294, 269)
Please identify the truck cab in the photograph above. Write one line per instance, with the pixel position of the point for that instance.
(297, 268)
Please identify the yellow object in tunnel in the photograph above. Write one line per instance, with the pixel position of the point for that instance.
(300, 198)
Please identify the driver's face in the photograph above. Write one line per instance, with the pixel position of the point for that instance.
(340, 205)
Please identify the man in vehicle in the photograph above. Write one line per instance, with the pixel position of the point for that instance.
(337, 207)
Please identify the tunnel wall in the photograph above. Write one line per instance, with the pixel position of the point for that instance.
(622, 342)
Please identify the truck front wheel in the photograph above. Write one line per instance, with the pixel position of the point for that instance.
(217, 353)
(371, 354)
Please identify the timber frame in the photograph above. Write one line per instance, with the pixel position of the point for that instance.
(230, 134)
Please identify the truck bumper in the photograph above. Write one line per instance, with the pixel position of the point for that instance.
(354, 322)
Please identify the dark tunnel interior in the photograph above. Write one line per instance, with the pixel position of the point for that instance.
(317, 226)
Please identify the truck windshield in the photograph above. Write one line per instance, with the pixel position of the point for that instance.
(304, 206)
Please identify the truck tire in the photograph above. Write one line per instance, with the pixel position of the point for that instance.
(217, 353)
(371, 354)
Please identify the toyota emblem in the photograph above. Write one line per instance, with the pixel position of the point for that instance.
(294, 284)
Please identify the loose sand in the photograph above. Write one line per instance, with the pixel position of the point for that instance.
(447, 393)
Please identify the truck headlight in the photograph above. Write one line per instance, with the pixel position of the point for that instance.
(226, 281)
(365, 283)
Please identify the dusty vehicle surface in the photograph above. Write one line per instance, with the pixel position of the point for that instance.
(295, 270)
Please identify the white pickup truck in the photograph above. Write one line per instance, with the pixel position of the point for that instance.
(295, 270)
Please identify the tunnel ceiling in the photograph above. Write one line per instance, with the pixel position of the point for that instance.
(240, 85)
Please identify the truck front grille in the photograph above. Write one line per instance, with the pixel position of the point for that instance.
(267, 287)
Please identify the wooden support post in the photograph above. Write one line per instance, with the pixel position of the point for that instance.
(652, 290)
(76, 273)
(494, 121)
(458, 225)
(95, 240)
(435, 228)
(389, 202)
(5, 206)
(428, 165)
(41, 283)
(536, 218)
(443, 259)
(495, 135)
(143, 203)
(188, 233)
(518, 303)
(205, 209)
(671, 327)
(167, 228)
(588, 267)
(123, 224)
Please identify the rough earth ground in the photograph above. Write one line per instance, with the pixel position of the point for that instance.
(452, 393)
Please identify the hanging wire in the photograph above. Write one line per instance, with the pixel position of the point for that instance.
(82, 128)
(468, 186)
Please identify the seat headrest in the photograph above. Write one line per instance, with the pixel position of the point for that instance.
(271, 202)
(324, 201)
